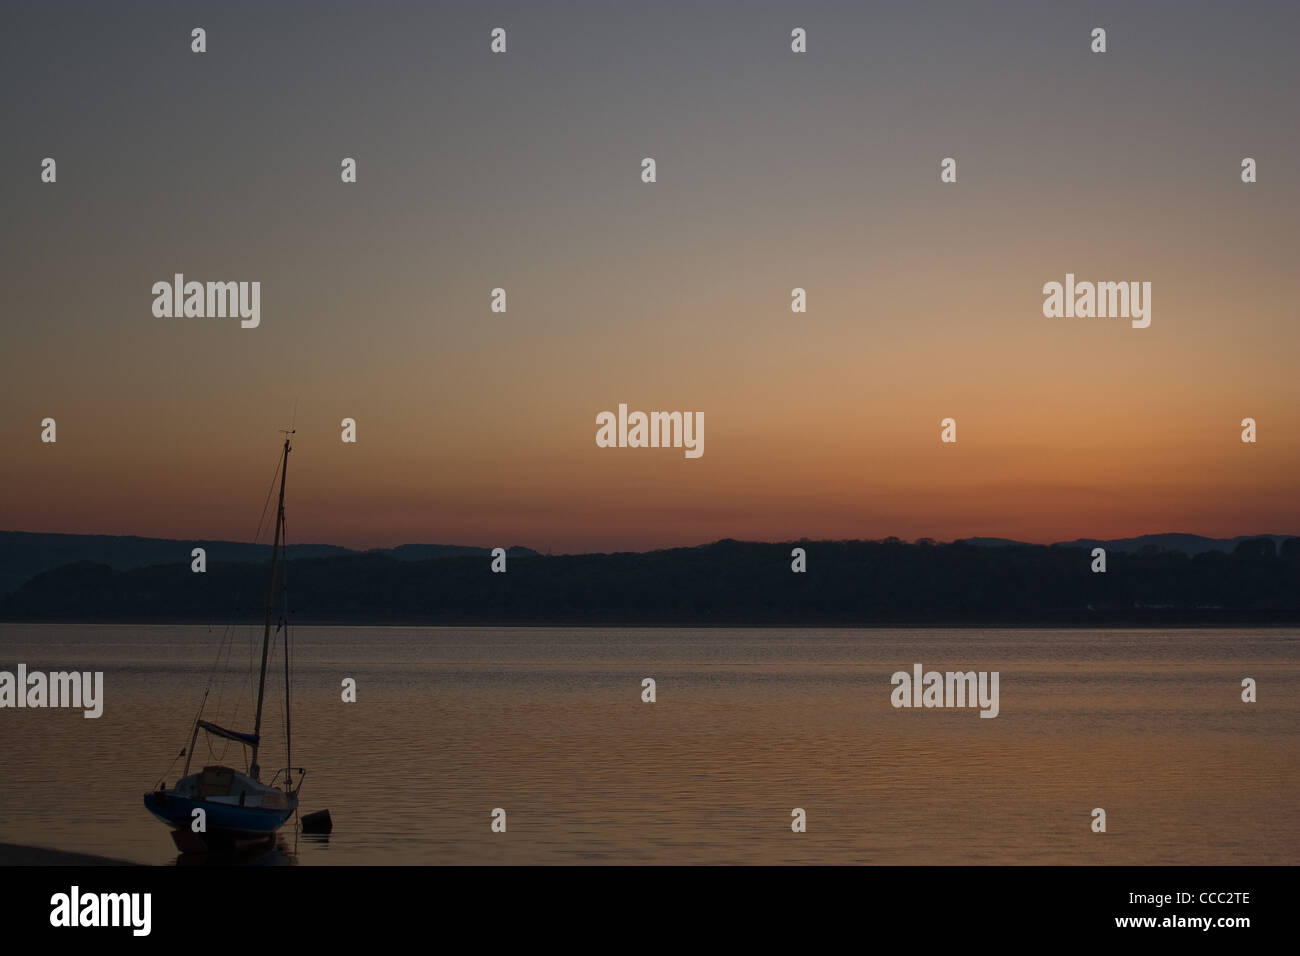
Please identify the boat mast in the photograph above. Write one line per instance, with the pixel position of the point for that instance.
(288, 724)
(270, 599)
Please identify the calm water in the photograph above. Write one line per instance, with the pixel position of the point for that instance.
(549, 725)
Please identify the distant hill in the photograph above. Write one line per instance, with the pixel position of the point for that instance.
(1182, 543)
(992, 542)
(25, 554)
(855, 583)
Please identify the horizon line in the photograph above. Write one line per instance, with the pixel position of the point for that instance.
(702, 544)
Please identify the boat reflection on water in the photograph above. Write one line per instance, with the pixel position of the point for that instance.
(275, 851)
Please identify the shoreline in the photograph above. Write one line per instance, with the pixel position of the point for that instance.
(1281, 621)
(16, 854)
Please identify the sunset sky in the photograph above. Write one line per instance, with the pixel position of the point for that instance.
(775, 170)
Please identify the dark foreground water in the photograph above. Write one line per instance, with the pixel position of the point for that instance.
(549, 725)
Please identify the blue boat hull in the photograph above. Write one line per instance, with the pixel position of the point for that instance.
(177, 811)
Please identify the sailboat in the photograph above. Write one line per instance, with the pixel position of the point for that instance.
(237, 806)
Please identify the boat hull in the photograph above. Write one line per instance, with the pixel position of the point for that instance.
(177, 811)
